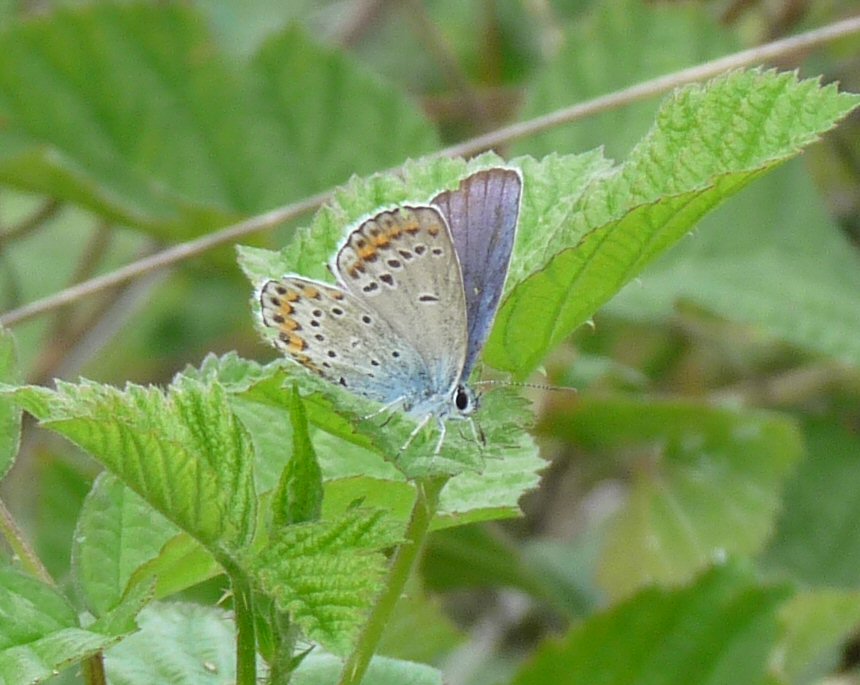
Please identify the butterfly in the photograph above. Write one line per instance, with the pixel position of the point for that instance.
(417, 289)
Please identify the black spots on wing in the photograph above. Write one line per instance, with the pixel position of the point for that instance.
(406, 255)
(388, 279)
(437, 251)
(420, 249)
(428, 298)
(337, 311)
(374, 362)
(371, 287)
(395, 354)
(366, 319)
(394, 263)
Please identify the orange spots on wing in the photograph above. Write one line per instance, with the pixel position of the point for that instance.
(311, 292)
(357, 268)
(368, 254)
(295, 344)
(307, 362)
(382, 241)
(411, 226)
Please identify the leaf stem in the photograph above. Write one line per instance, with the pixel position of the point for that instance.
(243, 608)
(14, 537)
(399, 571)
(93, 670)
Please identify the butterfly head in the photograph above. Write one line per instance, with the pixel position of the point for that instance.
(464, 400)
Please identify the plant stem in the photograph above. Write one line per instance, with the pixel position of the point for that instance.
(28, 559)
(243, 608)
(399, 571)
(93, 670)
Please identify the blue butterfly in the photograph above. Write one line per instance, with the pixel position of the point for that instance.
(417, 291)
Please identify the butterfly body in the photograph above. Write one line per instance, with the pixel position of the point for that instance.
(417, 289)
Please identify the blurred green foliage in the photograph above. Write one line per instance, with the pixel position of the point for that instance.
(696, 519)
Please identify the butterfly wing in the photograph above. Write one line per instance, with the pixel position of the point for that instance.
(334, 335)
(402, 265)
(482, 214)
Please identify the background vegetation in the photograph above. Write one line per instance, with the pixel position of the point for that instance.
(698, 516)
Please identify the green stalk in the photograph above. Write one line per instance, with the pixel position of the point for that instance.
(243, 609)
(399, 571)
(25, 555)
(93, 670)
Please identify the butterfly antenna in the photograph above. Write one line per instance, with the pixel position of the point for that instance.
(534, 386)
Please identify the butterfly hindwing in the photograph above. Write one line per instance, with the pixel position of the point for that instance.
(332, 334)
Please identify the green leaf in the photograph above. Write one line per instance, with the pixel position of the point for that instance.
(510, 457)
(736, 266)
(10, 412)
(815, 538)
(704, 483)
(327, 574)
(183, 451)
(121, 619)
(299, 495)
(718, 631)
(816, 625)
(181, 563)
(39, 633)
(116, 533)
(695, 156)
(243, 138)
(30, 609)
(181, 644)
(737, 263)
(62, 488)
(324, 669)
(352, 472)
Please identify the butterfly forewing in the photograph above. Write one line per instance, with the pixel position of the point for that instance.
(403, 266)
(482, 214)
(331, 333)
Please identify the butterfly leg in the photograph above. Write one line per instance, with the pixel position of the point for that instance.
(477, 432)
(442, 431)
(384, 408)
(418, 428)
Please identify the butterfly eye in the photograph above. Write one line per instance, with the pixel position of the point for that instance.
(464, 400)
